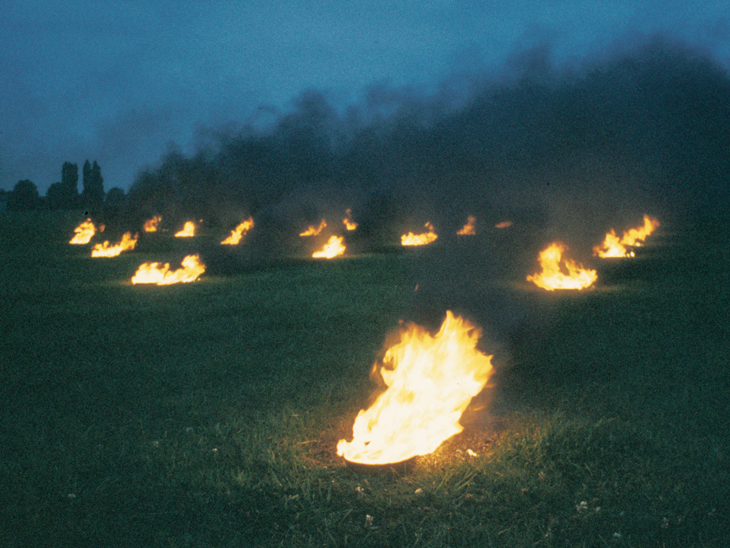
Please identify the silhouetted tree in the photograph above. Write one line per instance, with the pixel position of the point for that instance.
(24, 197)
(92, 196)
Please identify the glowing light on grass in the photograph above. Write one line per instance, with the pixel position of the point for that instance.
(238, 232)
(333, 248)
(430, 381)
(503, 224)
(160, 274)
(613, 246)
(105, 250)
(188, 230)
(348, 222)
(559, 273)
(84, 232)
(314, 230)
(468, 229)
(151, 224)
(425, 238)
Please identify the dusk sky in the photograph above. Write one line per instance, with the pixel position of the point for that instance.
(122, 82)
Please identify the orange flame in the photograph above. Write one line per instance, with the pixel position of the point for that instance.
(348, 222)
(84, 232)
(612, 246)
(430, 381)
(105, 250)
(468, 229)
(151, 224)
(188, 231)
(503, 224)
(238, 233)
(553, 267)
(419, 239)
(155, 273)
(314, 230)
(333, 248)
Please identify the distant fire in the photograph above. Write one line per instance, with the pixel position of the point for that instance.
(426, 238)
(84, 232)
(613, 246)
(333, 248)
(188, 231)
(105, 250)
(468, 229)
(152, 224)
(348, 222)
(314, 230)
(503, 224)
(558, 273)
(238, 233)
(160, 274)
(430, 381)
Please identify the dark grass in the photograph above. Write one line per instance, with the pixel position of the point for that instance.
(207, 414)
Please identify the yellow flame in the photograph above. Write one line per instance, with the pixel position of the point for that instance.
(419, 239)
(105, 250)
(348, 222)
(188, 231)
(612, 246)
(151, 224)
(503, 224)
(238, 233)
(553, 270)
(468, 229)
(314, 230)
(84, 232)
(333, 248)
(157, 273)
(430, 381)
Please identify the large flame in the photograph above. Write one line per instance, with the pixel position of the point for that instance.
(160, 274)
(84, 232)
(468, 229)
(151, 224)
(419, 239)
(188, 231)
(348, 222)
(558, 273)
(106, 250)
(314, 230)
(238, 233)
(613, 246)
(333, 248)
(430, 381)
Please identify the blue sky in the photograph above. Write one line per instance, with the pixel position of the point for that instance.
(121, 81)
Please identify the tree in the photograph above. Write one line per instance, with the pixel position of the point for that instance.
(24, 197)
(92, 196)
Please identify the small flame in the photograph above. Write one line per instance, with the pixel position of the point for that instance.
(156, 273)
(84, 232)
(468, 229)
(151, 224)
(238, 233)
(430, 381)
(333, 248)
(105, 250)
(348, 222)
(188, 231)
(419, 239)
(612, 246)
(314, 230)
(553, 270)
(503, 224)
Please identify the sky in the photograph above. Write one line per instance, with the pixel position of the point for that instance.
(123, 82)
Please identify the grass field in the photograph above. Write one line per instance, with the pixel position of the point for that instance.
(207, 414)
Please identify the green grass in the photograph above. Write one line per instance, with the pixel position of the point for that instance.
(207, 414)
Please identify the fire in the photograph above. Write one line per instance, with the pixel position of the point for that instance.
(348, 222)
(553, 271)
(238, 233)
(468, 229)
(151, 224)
(188, 230)
(419, 239)
(430, 381)
(105, 250)
(314, 230)
(84, 232)
(613, 246)
(155, 273)
(333, 248)
(503, 224)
